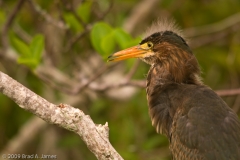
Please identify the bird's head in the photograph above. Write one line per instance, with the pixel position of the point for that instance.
(163, 46)
(162, 42)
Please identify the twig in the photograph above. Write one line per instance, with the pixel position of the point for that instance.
(133, 70)
(63, 115)
(139, 13)
(95, 76)
(21, 33)
(104, 87)
(76, 15)
(62, 82)
(228, 92)
(9, 21)
(104, 14)
(206, 39)
(16, 144)
(214, 27)
(64, 87)
(47, 17)
(76, 38)
(87, 27)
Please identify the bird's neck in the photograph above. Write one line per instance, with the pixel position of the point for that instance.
(170, 72)
(184, 71)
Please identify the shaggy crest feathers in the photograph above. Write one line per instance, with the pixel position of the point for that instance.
(163, 24)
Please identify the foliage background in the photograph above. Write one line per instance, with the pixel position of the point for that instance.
(56, 47)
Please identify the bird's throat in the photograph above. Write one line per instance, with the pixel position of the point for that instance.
(167, 73)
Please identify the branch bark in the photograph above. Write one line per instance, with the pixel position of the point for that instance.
(63, 115)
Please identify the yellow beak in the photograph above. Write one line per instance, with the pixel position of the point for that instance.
(133, 52)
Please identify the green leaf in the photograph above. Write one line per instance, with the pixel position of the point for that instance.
(21, 47)
(108, 44)
(30, 62)
(125, 40)
(133, 42)
(29, 55)
(72, 22)
(37, 46)
(122, 38)
(84, 11)
(98, 33)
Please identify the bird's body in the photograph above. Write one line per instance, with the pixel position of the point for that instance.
(197, 122)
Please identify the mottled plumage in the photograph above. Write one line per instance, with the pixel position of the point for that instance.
(197, 122)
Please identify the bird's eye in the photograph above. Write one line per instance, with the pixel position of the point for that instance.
(149, 44)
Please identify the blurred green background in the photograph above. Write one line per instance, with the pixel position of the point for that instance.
(53, 47)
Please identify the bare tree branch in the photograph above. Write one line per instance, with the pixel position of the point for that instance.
(24, 137)
(47, 17)
(63, 115)
(214, 27)
(138, 14)
(209, 33)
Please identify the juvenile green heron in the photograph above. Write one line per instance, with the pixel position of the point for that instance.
(197, 122)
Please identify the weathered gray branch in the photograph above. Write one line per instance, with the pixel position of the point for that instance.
(63, 115)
